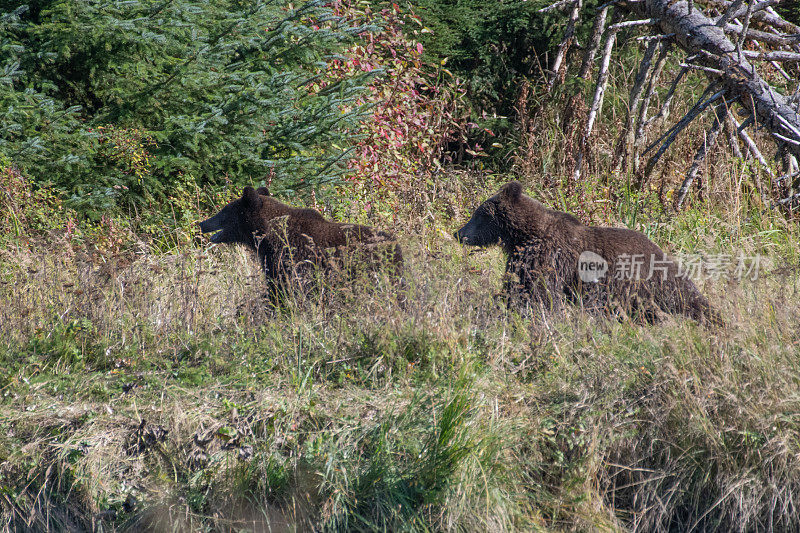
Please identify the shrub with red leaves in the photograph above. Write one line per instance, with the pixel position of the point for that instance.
(416, 110)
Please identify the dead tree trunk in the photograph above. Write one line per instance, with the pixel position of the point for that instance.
(699, 36)
(715, 37)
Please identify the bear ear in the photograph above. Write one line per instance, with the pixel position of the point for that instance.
(263, 191)
(512, 190)
(250, 197)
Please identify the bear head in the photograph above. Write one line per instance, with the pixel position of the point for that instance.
(238, 220)
(489, 223)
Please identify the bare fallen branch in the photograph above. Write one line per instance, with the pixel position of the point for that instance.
(594, 43)
(780, 22)
(700, 156)
(597, 100)
(630, 24)
(749, 121)
(626, 138)
(745, 26)
(767, 16)
(655, 37)
(651, 87)
(774, 64)
(673, 132)
(695, 32)
(748, 142)
(764, 37)
(785, 123)
(730, 129)
(663, 111)
(703, 102)
(715, 71)
(602, 78)
(787, 176)
(565, 43)
(786, 139)
(739, 11)
(728, 15)
(557, 5)
(773, 56)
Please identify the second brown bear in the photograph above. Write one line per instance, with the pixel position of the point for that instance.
(552, 258)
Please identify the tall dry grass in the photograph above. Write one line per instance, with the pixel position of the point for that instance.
(158, 390)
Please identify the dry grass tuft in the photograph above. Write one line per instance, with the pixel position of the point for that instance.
(161, 390)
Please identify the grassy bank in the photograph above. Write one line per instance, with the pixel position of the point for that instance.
(155, 389)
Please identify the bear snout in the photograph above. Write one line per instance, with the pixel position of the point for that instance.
(204, 226)
(462, 237)
(212, 225)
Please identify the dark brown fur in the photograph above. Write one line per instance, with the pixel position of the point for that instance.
(543, 247)
(292, 242)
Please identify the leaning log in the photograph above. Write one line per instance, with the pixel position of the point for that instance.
(700, 36)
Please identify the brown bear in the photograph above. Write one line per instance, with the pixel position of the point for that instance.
(553, 258)
(292, 243)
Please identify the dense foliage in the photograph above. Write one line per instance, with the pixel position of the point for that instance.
(497, 49)
(790, 11)
(491, 45)
(112, 101)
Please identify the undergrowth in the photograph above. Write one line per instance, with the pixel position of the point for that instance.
(153, 389)
(146, 384)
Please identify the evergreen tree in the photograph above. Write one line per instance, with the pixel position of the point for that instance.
(215, 90)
